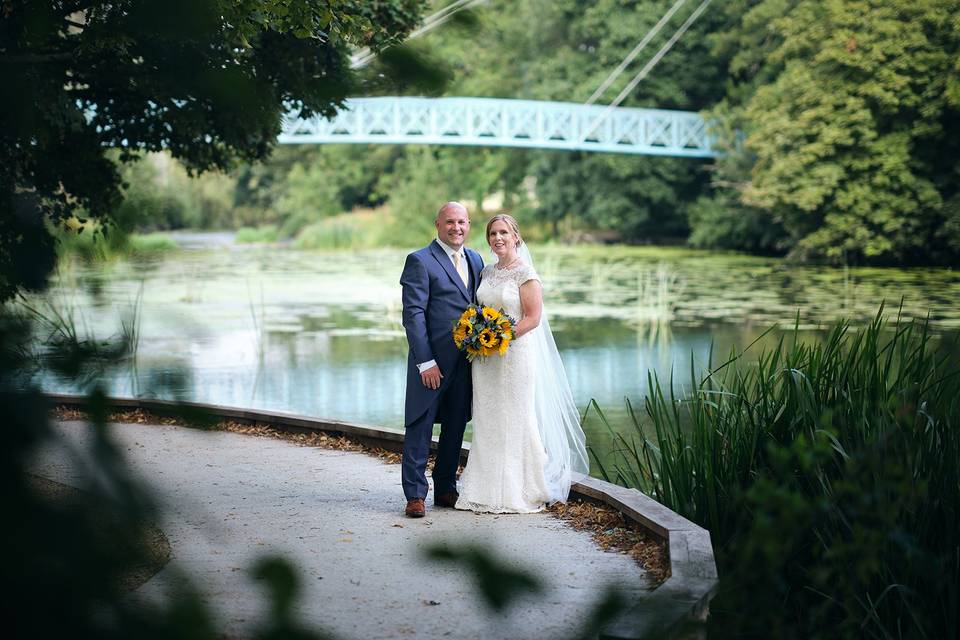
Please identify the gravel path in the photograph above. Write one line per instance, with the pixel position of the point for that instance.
(229, 499)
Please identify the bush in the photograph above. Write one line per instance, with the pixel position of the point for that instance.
(721, 223)
(160, 195)
(827, 475)
(151, 243)
(90, 240)
(93, 242)
(310, 196)
(347, 231)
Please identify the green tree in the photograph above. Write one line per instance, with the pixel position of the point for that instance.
(309, 196)
(564, 58)
(637, 199)
(206, 80)
(850, 113)
(302, 184)
(719, 219)
(425, 177)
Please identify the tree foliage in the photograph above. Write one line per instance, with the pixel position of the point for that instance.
(565, 58)
(568, 54)
(850, 114)
(205, 80)
(838, 120)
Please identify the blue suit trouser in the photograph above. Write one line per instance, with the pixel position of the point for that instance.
(454, 407)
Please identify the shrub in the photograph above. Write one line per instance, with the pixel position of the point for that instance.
(357, 230)
(151, 243)
(827, 475)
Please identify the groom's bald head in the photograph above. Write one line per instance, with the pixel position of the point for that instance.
(453, 224)
(451, 206)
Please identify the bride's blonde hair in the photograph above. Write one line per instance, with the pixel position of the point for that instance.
(511, 222)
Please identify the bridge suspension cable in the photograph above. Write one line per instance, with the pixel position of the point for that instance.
(364, 56)
(646, 68)
(654, 30)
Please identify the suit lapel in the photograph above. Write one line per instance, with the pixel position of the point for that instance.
(447, 265)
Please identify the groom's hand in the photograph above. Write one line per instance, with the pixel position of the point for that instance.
(431, 377)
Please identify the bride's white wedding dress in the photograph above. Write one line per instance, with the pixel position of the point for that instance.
(527, 440)
(506, 471)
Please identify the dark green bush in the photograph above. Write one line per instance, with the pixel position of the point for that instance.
(827, 475)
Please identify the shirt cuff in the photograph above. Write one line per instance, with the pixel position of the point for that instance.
(426, 365)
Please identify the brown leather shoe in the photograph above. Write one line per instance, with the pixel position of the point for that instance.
(448, 499)
(415, 508)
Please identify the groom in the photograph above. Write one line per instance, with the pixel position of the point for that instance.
(438, 281)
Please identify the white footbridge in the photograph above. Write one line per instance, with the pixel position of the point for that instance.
(495, 122)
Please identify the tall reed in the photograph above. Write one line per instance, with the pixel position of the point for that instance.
(67, 346)
(827, 474)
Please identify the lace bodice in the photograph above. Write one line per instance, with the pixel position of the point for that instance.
(500, 288)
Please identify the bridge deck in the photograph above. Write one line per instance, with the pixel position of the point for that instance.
(495, 122)
(230, 498)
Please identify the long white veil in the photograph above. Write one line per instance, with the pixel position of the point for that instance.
(557, 415)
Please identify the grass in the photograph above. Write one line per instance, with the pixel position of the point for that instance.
(827, 474)
(267, 233)
(150, 243)
(356, 230)
(68, 347)
(93, 245)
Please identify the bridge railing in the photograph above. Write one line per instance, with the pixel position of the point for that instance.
(507, 123)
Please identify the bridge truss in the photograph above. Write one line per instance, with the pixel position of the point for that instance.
(507, 123)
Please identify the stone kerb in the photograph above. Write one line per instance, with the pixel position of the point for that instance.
(685, 596)
(682, 598)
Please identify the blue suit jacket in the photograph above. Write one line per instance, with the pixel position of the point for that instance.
(433, 299)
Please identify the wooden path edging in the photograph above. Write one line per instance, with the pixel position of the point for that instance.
(682, 598)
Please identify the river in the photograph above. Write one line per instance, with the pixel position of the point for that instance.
(319, 333)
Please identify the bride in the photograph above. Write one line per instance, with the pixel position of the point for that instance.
(526, 428)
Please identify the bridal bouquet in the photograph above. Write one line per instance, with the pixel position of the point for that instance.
(483, 331)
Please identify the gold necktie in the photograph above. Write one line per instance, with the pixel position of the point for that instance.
(458, 264)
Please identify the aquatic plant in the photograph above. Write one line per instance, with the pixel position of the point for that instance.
(827, 474)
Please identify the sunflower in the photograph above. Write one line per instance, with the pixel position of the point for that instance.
(473, 352)
(487, 338)
(490, 313)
